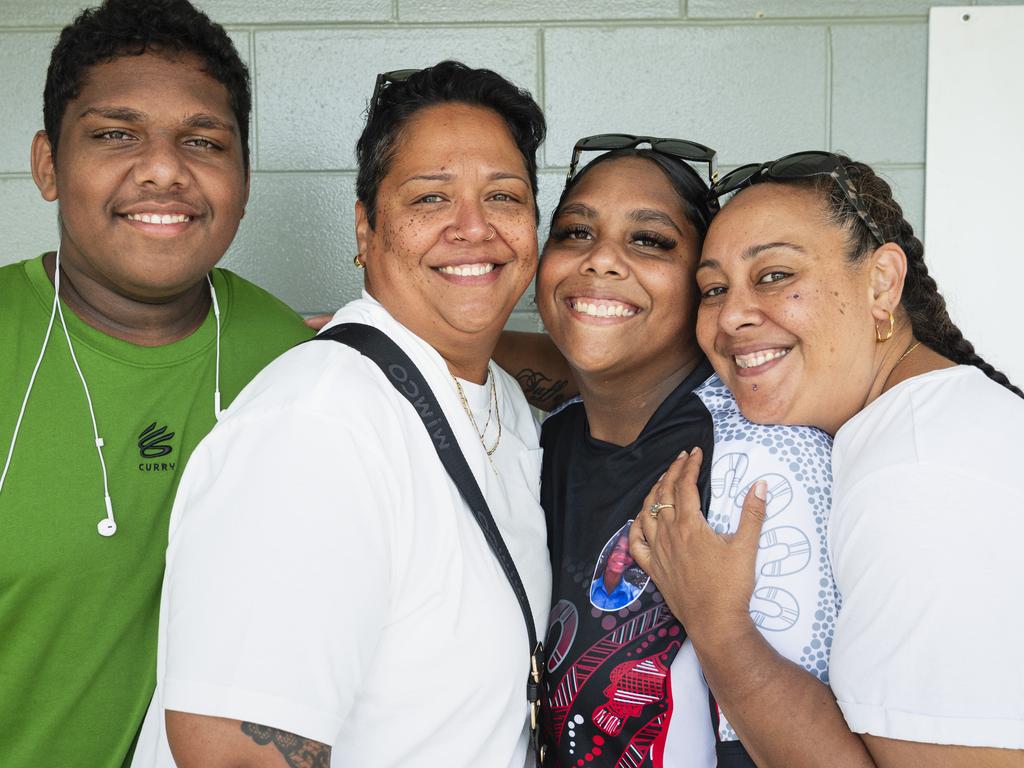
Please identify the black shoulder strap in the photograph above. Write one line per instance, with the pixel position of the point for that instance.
(408, 380)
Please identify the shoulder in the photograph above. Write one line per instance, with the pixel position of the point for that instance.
(731, 425)
(253, 312)
(955, 418)
(785, 448)
(939, 402)
(16, 282)
(316, 380)
(15, 288)
(15, 271)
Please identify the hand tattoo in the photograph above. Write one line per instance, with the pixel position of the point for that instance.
(539, 392)
(297, 751)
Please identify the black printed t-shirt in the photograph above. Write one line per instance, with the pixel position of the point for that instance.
(611, 639)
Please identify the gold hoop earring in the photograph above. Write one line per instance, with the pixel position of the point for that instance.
(892, 327)
(358, 262)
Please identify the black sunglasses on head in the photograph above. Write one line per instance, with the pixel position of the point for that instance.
(799, 165)
(384, 79)
(680, 148)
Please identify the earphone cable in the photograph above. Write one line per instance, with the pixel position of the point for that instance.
(28, 392)
(88, 397)
(108, 526)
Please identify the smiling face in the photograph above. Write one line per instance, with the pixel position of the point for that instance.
(785, 319)
(615, 287)
(619, 559)
(455, 243)
(149, 175)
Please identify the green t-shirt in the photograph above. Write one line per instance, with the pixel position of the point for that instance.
(78, 612)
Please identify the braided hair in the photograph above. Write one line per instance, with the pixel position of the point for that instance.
(921, 299)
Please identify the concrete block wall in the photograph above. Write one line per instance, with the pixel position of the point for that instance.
(753, 78)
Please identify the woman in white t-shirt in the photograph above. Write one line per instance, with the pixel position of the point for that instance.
(329, 597)
(817, 308)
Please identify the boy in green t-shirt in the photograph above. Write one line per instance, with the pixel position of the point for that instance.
(105, 394)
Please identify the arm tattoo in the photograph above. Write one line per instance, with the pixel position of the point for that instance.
(539, 389)
(297, 751)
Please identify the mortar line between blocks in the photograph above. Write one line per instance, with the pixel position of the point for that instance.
(829, 86)
(541, 92)
(254, 122)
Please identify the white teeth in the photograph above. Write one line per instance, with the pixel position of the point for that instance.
(604, 309)
(158, 218)
(467, 270)
(755, 359)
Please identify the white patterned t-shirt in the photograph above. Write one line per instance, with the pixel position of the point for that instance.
(795, 600)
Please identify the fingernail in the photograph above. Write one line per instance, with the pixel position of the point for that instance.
(682, 455)
(760, 489)
(696, 451)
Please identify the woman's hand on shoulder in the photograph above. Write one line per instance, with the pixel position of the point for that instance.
(317, 322)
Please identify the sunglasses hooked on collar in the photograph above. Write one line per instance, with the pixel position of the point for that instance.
(678, 148)
(384, 79)
(799, 165)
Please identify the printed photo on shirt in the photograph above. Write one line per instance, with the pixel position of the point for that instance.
(617, 581)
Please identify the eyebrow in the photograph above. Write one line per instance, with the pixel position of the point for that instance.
(123, 114)
(200, 120)
(650, 214)
(447, 177)
(208, 122)
(752, 252)
(578, 209)
(640, 215)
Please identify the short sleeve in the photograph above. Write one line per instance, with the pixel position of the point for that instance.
(927, 642)
(278, 570)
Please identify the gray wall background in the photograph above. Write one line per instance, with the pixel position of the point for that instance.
(755, 80)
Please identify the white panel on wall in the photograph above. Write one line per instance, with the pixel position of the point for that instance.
(975, 161)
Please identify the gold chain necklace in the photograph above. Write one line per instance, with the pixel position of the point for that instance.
(906, 352)
(492, 404)
(899, 360)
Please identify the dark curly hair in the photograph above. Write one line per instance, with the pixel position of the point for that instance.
(134, 27)
(921, 299)
(445, 82)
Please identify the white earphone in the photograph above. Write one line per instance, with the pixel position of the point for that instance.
(107, 526)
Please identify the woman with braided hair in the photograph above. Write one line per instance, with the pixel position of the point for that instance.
(817, 308)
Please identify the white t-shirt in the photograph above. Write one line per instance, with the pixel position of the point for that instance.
(927, 540)
(325, 577)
